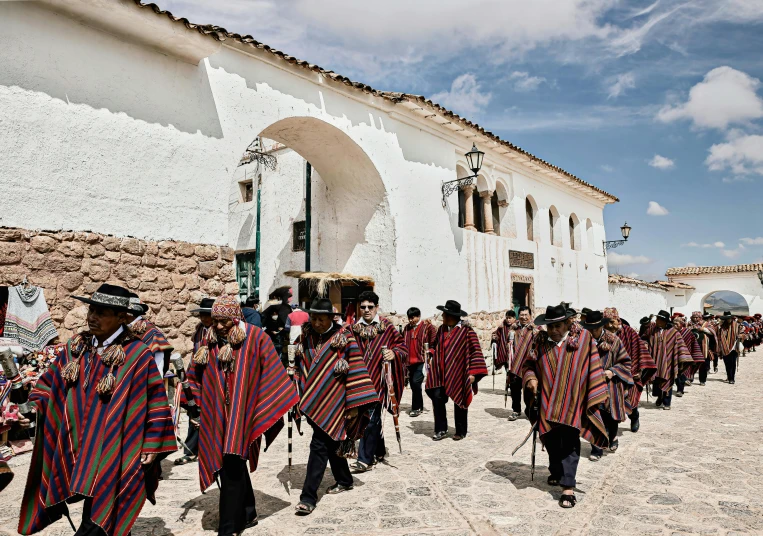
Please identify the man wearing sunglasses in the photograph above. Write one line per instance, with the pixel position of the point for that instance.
(379, 341)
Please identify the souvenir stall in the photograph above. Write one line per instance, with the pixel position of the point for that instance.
(26, 334)
(342, 289)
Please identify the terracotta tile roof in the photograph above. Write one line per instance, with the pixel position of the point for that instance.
(701, 270)
(673, 284)
(617, 279)
(418, 101)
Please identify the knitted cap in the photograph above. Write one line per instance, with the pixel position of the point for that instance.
(697, 313)
(227, 307)
(611, 313)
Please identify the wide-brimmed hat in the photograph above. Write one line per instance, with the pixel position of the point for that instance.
(137, 307)
(726, 316)
(758, 315)
(664, 315)
(595, 319)
(110, 296)
(585, 311)
(322, 306)
(204, 307)
(554, 314)
(453, 308)
(707, 316)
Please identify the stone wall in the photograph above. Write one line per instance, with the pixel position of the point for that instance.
(171, 277)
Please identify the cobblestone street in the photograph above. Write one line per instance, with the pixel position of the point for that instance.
(693, 470)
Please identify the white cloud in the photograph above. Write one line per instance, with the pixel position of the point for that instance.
(725, 97)
(524, 82)
(732, 180)
(758, 241)
(655, 209)
(743, 155)
(464, 96)
(713, 245)
(732, 253)
(691, 264)
(661, 162)
(620, 259)
(634, 275)
(620, 84)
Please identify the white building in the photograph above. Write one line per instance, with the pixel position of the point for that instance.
(124, 121)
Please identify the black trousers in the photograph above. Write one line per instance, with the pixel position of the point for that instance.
(192, 438)
(515, 383)
(730, 361)
(416, 375)
(372, 443)
(664, 398)
(87, 527)
(681, 382)
(563, 446)
(237, 507)
(634, 414)
(323, 452)
(703, 370)
(439, 402)
(611, 425)
(715, 362)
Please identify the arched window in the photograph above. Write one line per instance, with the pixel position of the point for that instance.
(553, 225)
(495, 213)
(572, 234)
(461, 208)
(530, 217)
(479, 222)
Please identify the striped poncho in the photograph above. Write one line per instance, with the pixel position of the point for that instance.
(694, 349)
(706, 335)
(259, 393)
(643, 366)
(370, 340)
(153, 338)
(571, 383)
(90, 445)
(457, 356)
(615, 359)
(523, 339)
(415, 337)
(326, 398)
(502, 337)
(200, 338)
(669, 351)
(728, 334)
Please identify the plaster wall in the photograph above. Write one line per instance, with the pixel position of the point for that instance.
(634, 302)
(745, 283)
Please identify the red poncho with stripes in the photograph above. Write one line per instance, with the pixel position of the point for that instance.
(523, 339)
(415, 337)
(370, 339)
(326, 398)
(200, 338)
(643, 366)
(502, 339)
(694, 349)
(706, 336)
(615, 359)
(153, 338)
(90, 445)
(728, 334)
(571, 383)
(669, 351)
(259, 395)
(457, 356)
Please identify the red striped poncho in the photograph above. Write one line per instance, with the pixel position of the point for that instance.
(153, 338)
(259, 394)
(502, 339)
(326, 398)
(199, 339)
(90, 445)
(670, 352)
(370, 339)
(728, 334)
(571, 383)
(457, 356)
(643, 366)
(694, 349)
(615, 359)
(523, 339)
(415, 337)
(706, 335)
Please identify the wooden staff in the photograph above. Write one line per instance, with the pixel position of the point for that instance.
(391, 398)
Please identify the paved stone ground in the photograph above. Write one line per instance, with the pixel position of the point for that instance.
(694, 470)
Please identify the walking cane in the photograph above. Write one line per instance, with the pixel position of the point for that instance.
(392, 399)
(426, 359)
(508, 368)
(292, 356)
(494, 350)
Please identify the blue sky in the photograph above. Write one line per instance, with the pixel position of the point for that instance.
(659, 103)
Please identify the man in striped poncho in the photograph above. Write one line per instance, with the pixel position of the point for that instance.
(104, 424)
(456, 368)
(243, 393)
(565, 371)
(616, 364)
(669, 352)
(335, 395)
(729, 333)
(151, 335)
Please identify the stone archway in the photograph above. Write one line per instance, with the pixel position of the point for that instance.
(352, 228)
(719, 301)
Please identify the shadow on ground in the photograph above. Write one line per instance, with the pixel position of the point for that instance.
(154, 526)
(208, 503)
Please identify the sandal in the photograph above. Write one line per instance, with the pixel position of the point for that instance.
(304, 509)
(186, 459)
(457, 437)
(613, 446)
(567, 501)
(338, 488)
(360, 467)
(552, 481)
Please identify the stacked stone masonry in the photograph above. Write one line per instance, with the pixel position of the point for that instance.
(171, 277)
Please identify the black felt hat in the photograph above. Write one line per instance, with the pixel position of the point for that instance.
(664, 315)
(554, 314)
(453, 308)
(111, 296)
(321, 306)
(594, 320)
(726, 316)
(204, 307)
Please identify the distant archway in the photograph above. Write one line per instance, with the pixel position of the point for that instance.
(719, 301)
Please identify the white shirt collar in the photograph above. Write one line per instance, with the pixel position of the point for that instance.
(136, 319)
(374, 321)
(564, 339)
(111, 339)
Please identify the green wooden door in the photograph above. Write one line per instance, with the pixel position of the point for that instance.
(245, 274)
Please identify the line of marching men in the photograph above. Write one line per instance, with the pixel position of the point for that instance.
(104, 423)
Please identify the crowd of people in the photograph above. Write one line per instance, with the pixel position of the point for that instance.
(104, 422)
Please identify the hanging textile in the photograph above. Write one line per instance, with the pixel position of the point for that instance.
(27, 319)
(3, 308)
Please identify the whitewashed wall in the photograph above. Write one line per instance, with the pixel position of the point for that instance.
(105, 134)
(745, 283)
(634, 302)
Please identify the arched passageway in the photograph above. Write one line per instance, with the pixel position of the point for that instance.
(719, 301)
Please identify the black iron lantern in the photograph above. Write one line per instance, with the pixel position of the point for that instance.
(474, 159)
(626, 230)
